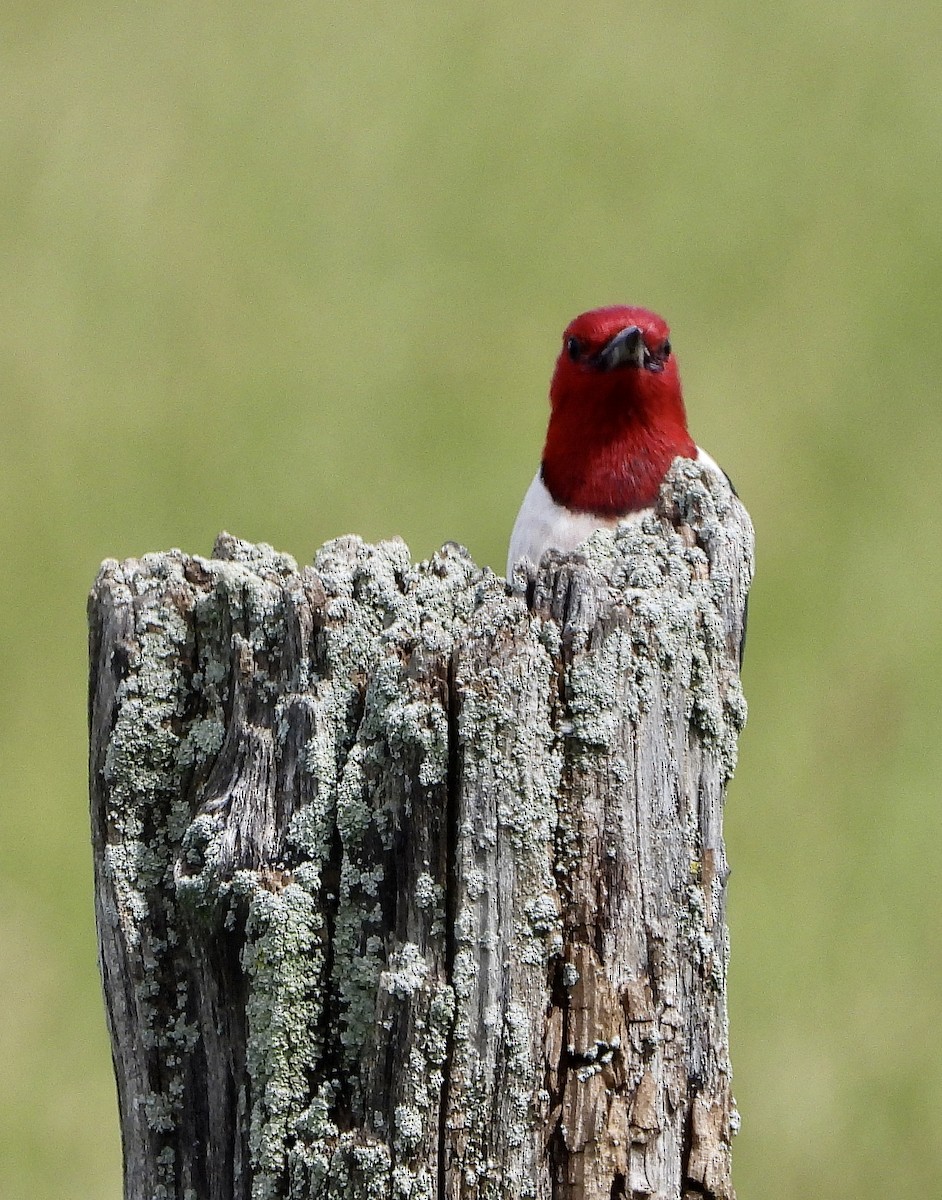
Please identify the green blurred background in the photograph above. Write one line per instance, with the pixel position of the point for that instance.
(296, 270)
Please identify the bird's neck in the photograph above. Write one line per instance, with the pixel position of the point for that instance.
(608, 457)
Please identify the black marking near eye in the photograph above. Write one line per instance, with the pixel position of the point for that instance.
(574, 348)
(666, 348)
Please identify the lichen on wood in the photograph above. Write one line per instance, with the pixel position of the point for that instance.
(410, 882)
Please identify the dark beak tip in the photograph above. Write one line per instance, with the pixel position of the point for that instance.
(630, 338)
(624, 348)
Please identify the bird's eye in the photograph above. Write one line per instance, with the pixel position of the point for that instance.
(574, 348)
(666, 349)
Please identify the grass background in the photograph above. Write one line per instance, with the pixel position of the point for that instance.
(296, 270)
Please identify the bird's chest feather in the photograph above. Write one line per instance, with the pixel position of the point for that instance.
(543, 524)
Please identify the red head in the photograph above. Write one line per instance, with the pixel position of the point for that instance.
(617, 419)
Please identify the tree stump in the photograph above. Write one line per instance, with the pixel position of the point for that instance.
(410, 883)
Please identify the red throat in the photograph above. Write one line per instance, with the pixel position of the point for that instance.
(613, 434)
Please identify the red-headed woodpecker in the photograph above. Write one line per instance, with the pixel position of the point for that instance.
(617, 422)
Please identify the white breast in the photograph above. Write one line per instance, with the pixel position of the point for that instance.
(543, 525)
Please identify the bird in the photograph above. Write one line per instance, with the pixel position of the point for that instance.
(617, 422)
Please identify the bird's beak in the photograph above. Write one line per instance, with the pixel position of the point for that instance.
(625, 349)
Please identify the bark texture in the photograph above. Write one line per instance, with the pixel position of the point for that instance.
(411, 884)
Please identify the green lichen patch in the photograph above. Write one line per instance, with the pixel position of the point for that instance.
(141, 785)
(284, 961)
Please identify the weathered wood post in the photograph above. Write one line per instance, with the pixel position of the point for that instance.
(411, 885)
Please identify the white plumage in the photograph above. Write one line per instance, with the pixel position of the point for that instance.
(543, 525)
